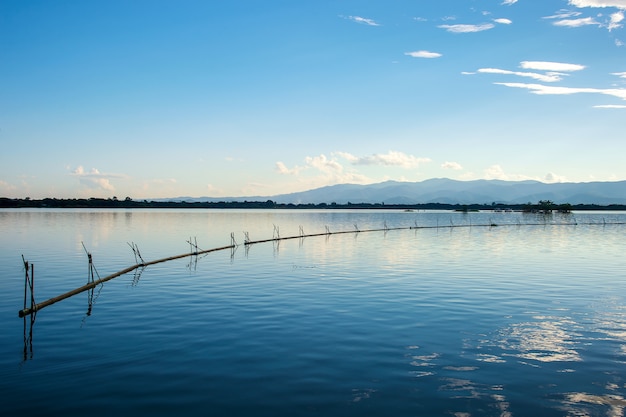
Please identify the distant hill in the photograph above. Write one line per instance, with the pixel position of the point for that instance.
(442, 190)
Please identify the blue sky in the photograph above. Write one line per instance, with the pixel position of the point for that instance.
(153, 99)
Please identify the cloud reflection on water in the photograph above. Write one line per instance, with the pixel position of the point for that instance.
(574, 401)
(550, 339)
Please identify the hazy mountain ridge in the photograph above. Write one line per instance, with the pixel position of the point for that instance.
(442, 190)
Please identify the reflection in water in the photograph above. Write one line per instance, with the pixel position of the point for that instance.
(29, 323)
(466, 389)
(458, 384)
(582, 404)
(536, 343)
(91, 300)
(492, 342)
(547, 340)
(29, 289)
(359, 395)
(424, 362)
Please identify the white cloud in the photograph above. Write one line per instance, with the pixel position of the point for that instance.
(548, 78)
(619, 74)
(503, 21)
(576, 23)
(324, 164)
(451, 165)
(102, 183)
(282, 169)
(619, 43)
(363, 20)
(347, 156)
(616, 18)
(94, 179)
(509, 2)
(423, 54)
(321, 163)
(550, 66)
(620, 4)
(467, 28)
(554, 90)
(495, 172)
(391, 158)
(610, 106)
(326, 171)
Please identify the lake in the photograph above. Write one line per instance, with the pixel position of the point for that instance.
(436, 313)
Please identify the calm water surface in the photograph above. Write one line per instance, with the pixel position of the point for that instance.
(524, 318)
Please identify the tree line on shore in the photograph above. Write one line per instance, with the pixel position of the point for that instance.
(544, 206)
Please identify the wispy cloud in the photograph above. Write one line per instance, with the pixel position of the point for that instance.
(467, 28)
(363, 20)
(551, 66)
(554, 70)
(509, 2)
(563, 14)
(391, 158)
(565, 18)
(423, 54)
(555, 73)
(576, 23)
(95, 179)
(548, 78)
(503, 21)
(554, 90)
(452, 165)
(610, 106)
(620, 4)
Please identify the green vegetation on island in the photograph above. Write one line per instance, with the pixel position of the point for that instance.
(543, 206)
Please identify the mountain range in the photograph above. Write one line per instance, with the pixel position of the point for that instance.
(447, 191)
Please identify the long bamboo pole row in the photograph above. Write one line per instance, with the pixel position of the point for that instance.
(36, 307)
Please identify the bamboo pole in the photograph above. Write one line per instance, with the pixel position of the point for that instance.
(36, 307)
